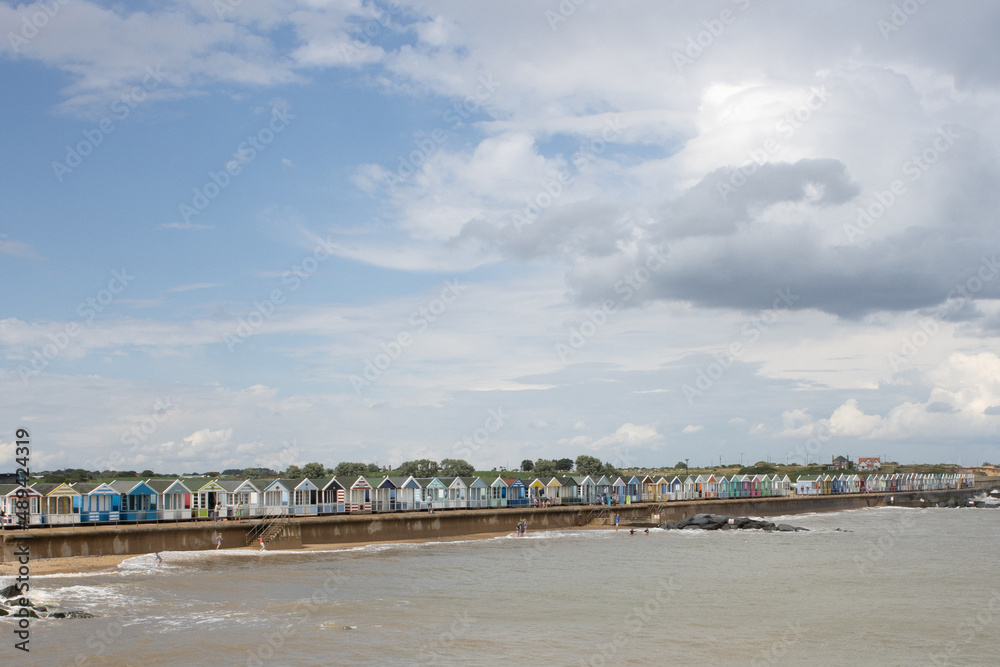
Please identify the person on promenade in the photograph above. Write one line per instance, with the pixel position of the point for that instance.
(218, 541)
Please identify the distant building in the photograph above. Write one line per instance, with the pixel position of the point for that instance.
(839, 463)
(868, 463)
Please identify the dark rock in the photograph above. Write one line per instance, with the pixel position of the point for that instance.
(785, 528)
(713, 526)
(10, 592)
(701, 519)
(72, 614)
(3, 612)
(691, 527)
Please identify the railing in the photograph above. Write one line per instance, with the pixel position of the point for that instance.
(261, 529)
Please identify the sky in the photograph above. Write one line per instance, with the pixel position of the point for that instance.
(269, 232)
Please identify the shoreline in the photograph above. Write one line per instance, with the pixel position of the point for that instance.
(71, 565)
(86, 549)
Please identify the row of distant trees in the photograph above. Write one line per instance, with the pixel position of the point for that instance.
(584, 465)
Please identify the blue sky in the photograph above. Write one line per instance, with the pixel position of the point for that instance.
(723, 229)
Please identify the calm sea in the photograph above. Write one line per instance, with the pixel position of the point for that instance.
(886, 586)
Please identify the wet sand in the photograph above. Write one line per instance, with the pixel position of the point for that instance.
(80, 564)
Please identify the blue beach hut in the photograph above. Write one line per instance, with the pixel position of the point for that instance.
(96, 502)
(137, 500)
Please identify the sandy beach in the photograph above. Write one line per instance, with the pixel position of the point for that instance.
(79, 564)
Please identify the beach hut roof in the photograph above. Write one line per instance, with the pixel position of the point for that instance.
(230, 485)
(7, 489)
(93, 488)
(128, 487)
(49, 488)
(163, 485)
(333, 483)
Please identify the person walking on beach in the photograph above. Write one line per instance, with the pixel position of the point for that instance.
(617, 519)
(158, 559)
(218, 541)
(263, 547)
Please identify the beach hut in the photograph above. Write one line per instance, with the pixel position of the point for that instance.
(807, 485)
(206, 495)
(479, 491)
(172, 498)
(277, 497)
(359, 496)
(305, 498)
(517, 493)
(619, 489)
(9, 497)
(383, 494)
(408, 494)
(647, 489)
(138, 500)
(634, 490)
(498, 493)
(586, 488)
(784, 483)
(722, 487)
(569, 491)
(248, 498)
(662, 489)
(766, 488)
(60, 504)
(602, 487)
(553, 490)
(536, 490)
(334, 497)
(458, 494)
(676, 490)
(435, 492)
(756, 486)
(227, 500)
(98, 502)
(690, 489)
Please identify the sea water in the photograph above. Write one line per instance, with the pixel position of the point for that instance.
(888, 586)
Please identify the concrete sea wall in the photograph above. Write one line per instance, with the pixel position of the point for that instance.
(353, 529)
